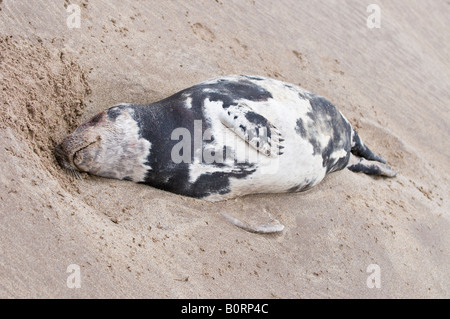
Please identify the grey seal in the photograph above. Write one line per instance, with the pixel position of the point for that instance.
(223, 138)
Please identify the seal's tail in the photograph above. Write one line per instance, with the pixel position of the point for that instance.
(370, 163)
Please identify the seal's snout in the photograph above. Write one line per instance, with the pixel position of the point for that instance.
(74, 151)
(64, 157)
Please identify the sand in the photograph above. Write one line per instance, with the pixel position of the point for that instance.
(134, 241)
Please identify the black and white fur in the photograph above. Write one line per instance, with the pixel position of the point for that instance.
(267, 136)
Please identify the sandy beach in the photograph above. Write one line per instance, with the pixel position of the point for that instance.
(58, 69)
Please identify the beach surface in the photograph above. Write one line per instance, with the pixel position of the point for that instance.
(351, 236)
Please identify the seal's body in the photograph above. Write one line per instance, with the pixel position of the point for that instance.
(220, 139)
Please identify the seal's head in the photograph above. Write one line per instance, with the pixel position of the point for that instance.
(108, 145)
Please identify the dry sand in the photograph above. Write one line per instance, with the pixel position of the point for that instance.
(132, 240)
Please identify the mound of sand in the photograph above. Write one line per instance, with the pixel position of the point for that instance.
(135, 241)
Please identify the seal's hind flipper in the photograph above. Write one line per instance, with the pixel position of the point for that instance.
(361, 150)
(372, 168)
(253, 128)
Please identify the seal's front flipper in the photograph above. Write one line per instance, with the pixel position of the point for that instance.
(372, 168)
(253, 128)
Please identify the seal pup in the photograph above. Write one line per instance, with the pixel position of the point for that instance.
(220, 139)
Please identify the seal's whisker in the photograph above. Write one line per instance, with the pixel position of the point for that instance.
(74, 173)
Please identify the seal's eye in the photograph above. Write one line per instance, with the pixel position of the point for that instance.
(95, 119)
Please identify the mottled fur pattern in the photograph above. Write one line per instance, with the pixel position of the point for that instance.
(245, 135)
